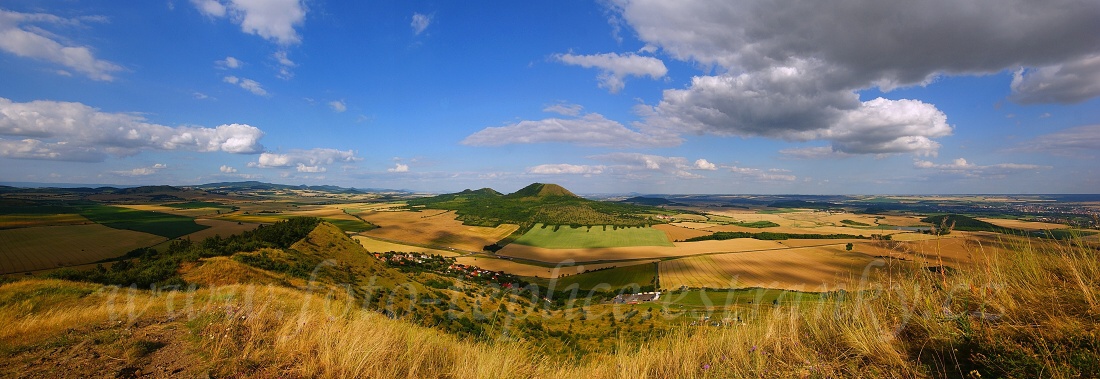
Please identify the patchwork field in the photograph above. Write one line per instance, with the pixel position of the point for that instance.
(638, 252)
(39, 248)
(12, 221)
(809, 269)
(434, 228)
(374, 246)
(161, 224)
(336, 216)
(565, 237)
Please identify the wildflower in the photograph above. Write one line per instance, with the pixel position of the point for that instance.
(706, 366)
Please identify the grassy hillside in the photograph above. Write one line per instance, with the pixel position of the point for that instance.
(1030, 312)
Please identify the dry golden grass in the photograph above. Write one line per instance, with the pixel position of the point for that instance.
(434, 228)
(47, 247)
(222, 271)
(637, 252)
(806, 269)
(1029, 312)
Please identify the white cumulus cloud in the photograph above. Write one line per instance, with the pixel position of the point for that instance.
(638, 162)
(703, 164)
(559, 169)
(71, 131)
(247, 84)
(19, 37)
(338, 106)
(312, 161)
(273, 20)
(399, 167)
(229, 62)
(614, 68)
(227, 169)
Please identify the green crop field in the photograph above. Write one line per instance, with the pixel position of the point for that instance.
(746, 297)
(611, 279)
(597, 236)
(161, 224)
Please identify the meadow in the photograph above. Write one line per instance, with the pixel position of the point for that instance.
(566, 237)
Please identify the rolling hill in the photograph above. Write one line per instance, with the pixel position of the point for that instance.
(544, 203)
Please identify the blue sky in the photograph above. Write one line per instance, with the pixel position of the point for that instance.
(692, 96)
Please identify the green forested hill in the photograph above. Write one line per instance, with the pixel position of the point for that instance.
(549, 204)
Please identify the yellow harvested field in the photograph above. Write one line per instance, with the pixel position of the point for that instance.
(900, 220)
(373, 245)
(637, 252)
(914, 236)
(47, 247)
(676, 233)
(27, 221)
(957, 249)
(370, 207)
(801, 222)
(220, 228)
(821, 242)
(693, 225)
(689, 216)
(806, 269)
(1023, 225)
(434, 228)
(189, 212)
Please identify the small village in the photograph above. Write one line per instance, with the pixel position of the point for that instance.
(447, 266)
